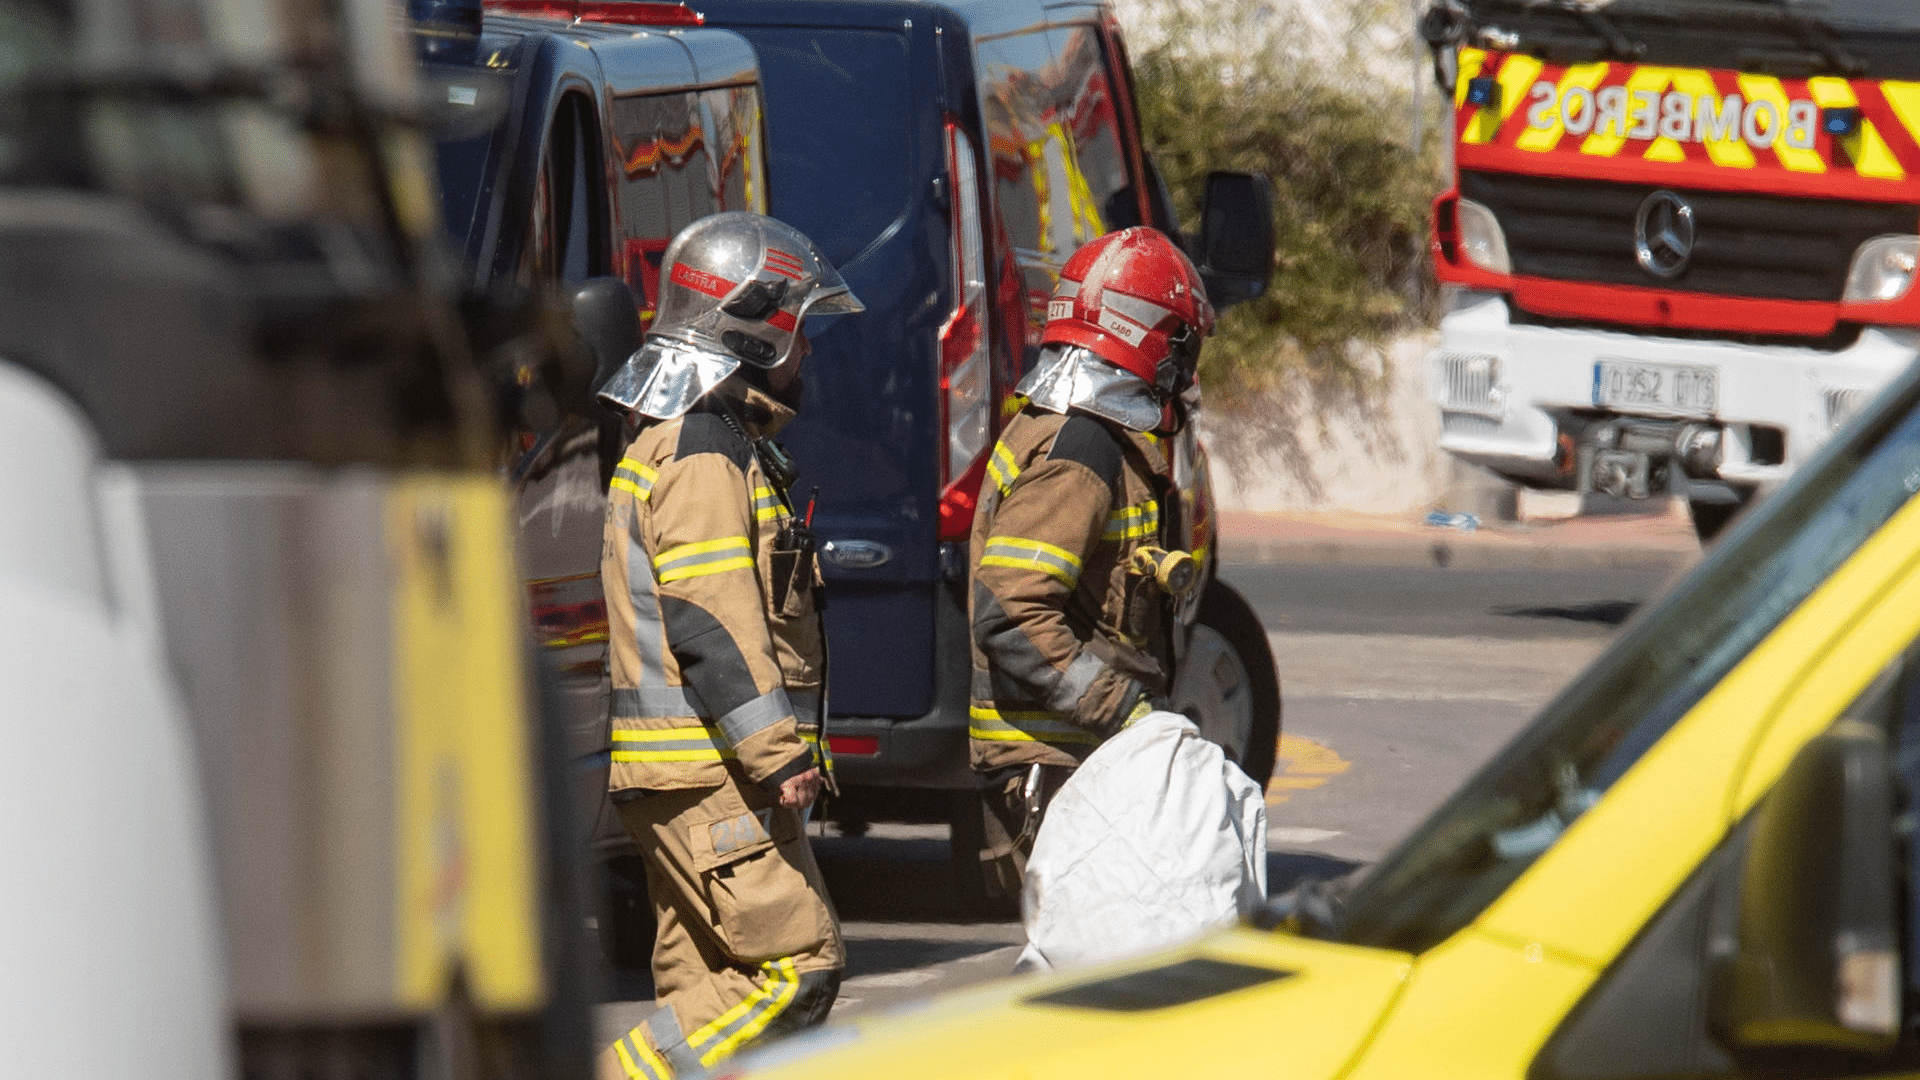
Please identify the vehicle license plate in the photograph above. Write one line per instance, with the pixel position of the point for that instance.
(1668, 388)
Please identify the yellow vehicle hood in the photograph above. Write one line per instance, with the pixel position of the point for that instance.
(1300, 1008)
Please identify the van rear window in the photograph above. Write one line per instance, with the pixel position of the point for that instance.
(840, 125)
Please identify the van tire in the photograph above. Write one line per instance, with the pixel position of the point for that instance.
(1228, 684)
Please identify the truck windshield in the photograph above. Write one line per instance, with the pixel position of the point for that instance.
(1790, 38)
(1489, 832)
(839, 123)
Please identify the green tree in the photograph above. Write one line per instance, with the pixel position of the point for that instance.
(1233, 87)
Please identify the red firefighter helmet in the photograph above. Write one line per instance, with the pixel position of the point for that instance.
(1136, 301)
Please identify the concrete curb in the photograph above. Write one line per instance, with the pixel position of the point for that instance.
(1616, 542)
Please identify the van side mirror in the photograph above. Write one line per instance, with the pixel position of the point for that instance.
(607, 318)
(1236, 237)
(1816, 958)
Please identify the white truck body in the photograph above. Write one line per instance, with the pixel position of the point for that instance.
(1504, 388)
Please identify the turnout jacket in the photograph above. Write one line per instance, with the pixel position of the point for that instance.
(1065, 641)
(710, 679)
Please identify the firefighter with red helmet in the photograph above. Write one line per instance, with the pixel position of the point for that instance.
(717, 654)
(1071, 640)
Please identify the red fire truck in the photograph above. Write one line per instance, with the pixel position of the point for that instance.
(1681, 240)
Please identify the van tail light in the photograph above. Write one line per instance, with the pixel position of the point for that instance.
(853, 745)
(966, 369)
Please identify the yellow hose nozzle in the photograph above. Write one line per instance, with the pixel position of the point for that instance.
(1173, 570)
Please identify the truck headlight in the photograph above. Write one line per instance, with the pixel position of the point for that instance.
(1481, 240)
(1883, 269)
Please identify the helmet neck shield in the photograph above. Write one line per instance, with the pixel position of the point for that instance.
(664, 378)
(1072, 377)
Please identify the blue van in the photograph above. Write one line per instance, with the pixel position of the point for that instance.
(949, 157)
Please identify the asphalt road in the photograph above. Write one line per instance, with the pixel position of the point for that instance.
(1397, 682)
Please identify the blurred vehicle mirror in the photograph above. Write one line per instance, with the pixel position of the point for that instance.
(1236, 237)
(607, 318)
(1815, 961)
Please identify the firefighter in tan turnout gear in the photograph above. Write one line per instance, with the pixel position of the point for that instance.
(1071, 625)
(717, 650)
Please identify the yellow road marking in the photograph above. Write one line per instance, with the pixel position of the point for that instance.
(1302, 765)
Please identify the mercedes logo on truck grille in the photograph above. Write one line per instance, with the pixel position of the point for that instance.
(1663, 234)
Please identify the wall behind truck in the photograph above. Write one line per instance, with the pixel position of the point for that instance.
(1377, 454)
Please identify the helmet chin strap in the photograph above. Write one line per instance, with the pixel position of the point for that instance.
(761, 379)
(1173, 415)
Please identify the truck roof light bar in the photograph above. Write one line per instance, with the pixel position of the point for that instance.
(610, 12)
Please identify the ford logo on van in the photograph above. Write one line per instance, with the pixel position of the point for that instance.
(856, 554)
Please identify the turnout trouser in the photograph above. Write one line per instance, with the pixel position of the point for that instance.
(749, 945)
(1011, 820)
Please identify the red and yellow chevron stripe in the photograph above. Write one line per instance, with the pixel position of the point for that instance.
(1703, 127)
(648, 157)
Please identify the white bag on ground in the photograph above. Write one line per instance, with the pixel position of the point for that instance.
(1154, 840)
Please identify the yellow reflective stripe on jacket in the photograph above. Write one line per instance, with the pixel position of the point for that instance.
(993, 725)
(703, 558)
(635, 478)
(670, 744)
(751, 1016)
(1020, 553)
(1003, 468)
(1134, 522)
(766, 505)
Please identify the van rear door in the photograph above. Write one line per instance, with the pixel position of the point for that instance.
(854, 126)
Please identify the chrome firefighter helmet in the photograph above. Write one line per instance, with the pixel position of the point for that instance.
(734, 289)
(1123, 331)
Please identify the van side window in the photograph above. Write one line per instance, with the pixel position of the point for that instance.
(664, 183)
(737, 149)
(563, 242)
(1053, 135)
(1015, 105)
(1107, 200)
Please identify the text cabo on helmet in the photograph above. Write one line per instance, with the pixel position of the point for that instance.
(1135, 300)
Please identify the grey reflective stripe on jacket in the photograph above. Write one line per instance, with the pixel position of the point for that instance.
(1074, 681)
(665, 1029)
(745, 721)
(650, 635)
